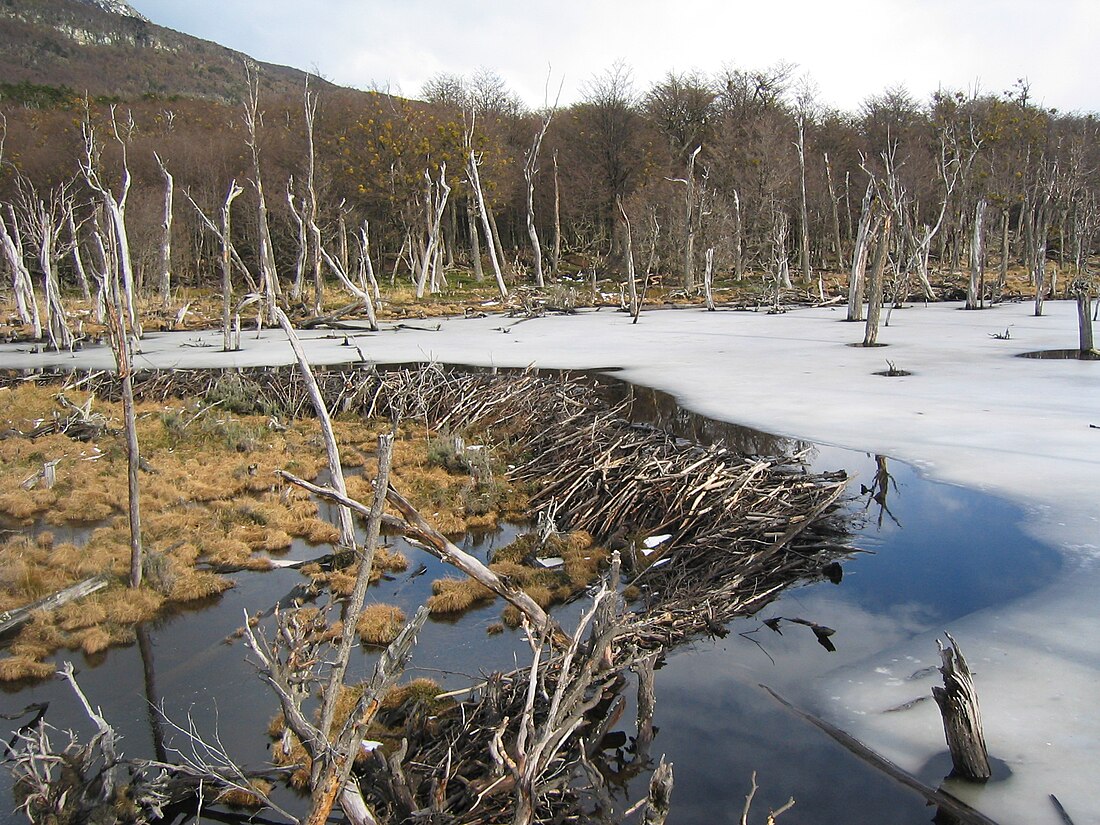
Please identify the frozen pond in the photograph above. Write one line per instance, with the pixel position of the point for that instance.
(925, 551)
(971, 414)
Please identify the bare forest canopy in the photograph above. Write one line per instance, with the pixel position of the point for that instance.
(735, 172)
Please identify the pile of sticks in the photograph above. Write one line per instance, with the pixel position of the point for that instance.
(739, 529)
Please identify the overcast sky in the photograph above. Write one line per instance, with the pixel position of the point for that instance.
(847, 49)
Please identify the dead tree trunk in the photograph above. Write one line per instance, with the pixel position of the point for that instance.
(974, 296)
(358, 292)
(659, 801)
(690, 221)
(530, 169)
(631, 276)
(310, 207)
(230, 336)
(874, 308)
(1039, 262)
(78, 259)
(804, 215)
(837, 248)
(22, 286)
(780, 259)
(859, 257)
(20, 615)
(1080, 288)
(497, 240)
(475, 183)
(164, 259)
(297, 286)
(116, 210)
(962, 722)
(555, 248)
(57, 325)
(1002, 274)
(475, 240)
(708, 277)
(122, 345)
(368, 265)
(738, 239)
(269, 277)
(435, 203)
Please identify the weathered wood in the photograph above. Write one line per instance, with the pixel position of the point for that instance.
(660, 794)
(11, 619)
(962, 722)
(874, 307)
(963, 813)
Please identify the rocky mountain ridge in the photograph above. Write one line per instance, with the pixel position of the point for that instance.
(107, 49)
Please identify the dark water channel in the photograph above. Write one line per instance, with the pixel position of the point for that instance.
(929, 550)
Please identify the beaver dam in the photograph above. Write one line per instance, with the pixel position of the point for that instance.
(647, 540)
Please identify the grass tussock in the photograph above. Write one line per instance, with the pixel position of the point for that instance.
(16, 668)
(211, 496)
(453, 595)
(379, 624)
(582, 562)
(248, 799)
(341, 580)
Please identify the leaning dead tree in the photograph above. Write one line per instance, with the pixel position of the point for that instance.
(479, 196)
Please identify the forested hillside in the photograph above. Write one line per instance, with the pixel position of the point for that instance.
(739, 169)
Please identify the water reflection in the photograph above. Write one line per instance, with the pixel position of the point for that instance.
(930, 552)
(879, 491)
(651, 407)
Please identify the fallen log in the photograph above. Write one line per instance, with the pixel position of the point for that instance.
(11, 619)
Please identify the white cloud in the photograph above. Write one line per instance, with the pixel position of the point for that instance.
(851, 48)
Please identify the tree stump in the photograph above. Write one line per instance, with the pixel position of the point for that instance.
(962, 723)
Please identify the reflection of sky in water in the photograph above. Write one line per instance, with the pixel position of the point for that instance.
(955, 551)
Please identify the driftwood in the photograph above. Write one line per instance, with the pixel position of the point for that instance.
(962, 721)
(959, 811)
(11, 619)
(87, 782)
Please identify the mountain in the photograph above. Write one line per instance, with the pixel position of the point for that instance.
(106, 48)
(117, 7)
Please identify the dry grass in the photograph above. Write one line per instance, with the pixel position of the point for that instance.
(210, 494)
(251, 800)
(17, 668)
(379, 624)
(452, 595)
(583, 560)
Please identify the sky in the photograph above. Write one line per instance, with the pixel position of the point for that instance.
(844, 50)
